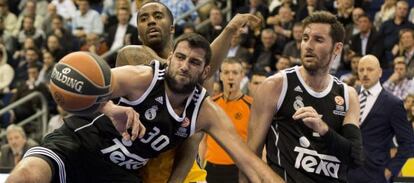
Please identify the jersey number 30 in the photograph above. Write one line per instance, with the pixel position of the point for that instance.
(158, 141)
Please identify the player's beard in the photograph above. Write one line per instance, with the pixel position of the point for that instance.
(177, 87)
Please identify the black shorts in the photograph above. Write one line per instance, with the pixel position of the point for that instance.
(222, 173)
(74, 157)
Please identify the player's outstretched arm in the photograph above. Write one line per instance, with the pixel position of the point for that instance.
(31, 169)
(214, 121)
(184, 158)
(221, 45)
(136, 55)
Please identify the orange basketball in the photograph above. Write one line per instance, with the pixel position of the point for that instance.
(80, 82)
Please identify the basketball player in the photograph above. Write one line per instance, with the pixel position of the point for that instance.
(307, 118)
(156, 30)
(172, 107)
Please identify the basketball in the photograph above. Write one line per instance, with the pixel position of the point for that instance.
(80, 82)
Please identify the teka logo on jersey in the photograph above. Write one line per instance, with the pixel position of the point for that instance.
(120, 155)
(316, 163)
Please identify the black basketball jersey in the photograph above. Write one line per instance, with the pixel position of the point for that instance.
(164, 128)
(294, 150)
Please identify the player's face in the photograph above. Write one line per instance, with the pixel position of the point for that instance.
(16, 141)
(154, 26)
(317, 48)
(369, 72)
(231, 75)
(186, 68)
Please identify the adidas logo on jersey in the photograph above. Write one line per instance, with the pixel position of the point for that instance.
(159, 100)
(298, 89)
(120, 155)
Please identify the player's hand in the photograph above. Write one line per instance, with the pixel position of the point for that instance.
(123, 119)
(312, 119)
(241, 20)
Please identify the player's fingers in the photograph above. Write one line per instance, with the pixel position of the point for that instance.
(126, 136)
(142, 130)
(253, 19)
(135, 126)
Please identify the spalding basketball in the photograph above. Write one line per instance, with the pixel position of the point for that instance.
(80, 82)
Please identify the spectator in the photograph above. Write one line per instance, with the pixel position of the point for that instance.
(18, 144)
(263, 58)
(406, 48)
(31, 58)
(122, 33)
(29, 11)
(256, 79)
(390, 29)
(94, 44)
(86, 20)
(65, 36)
(352, 28)
(283, 23)
(344, 11)
(29, 30)
(56, 121)
(256, 7)
(408, 103)
(111, 19)
(216, 25)
(6, 71)
(178, 9)
(55, 47)
(19, 55)
(45, 72)
(386, 12)
(367, 41)
(398, 83)
(292, 49)
(24, 88)
(66, 9)
(282, 63)
(189, 28)
(51, 12)
(236, 50)
(9, 19)
(6, 38)
(351, 78)
(308, 8)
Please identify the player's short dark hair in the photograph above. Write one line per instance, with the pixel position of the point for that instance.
(337, 31)
(196, 41)
(169, 13)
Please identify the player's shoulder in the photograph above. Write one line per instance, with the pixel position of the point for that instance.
(216, 97)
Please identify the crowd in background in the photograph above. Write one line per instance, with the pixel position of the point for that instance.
(35, 34)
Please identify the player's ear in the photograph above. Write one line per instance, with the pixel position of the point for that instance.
(172, 29)
(205, 73)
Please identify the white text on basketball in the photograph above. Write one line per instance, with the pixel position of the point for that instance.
(120, 155)
(308, 160)
(68, 81)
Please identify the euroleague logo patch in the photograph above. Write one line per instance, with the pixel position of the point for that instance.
(339, 100)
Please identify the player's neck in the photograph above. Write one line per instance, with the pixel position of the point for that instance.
(318, 80)
(176, 100)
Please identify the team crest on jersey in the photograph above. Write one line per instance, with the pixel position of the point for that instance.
(151, 113)
(298, 103)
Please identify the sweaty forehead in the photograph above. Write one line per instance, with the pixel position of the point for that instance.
(185, 48)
